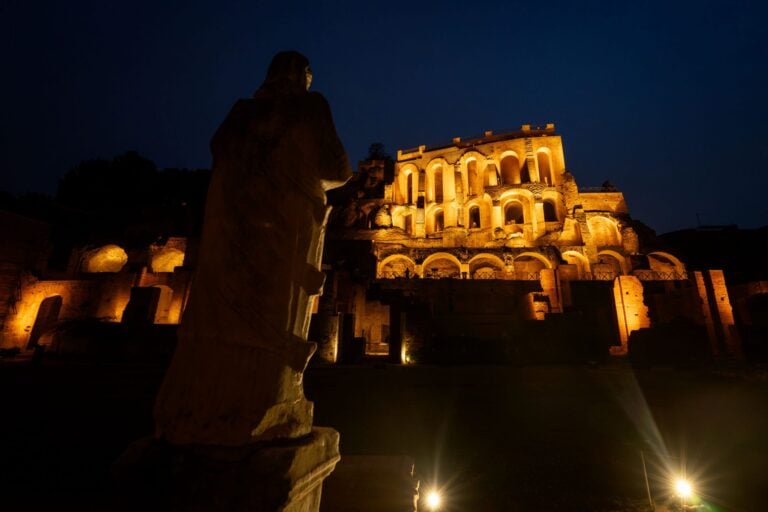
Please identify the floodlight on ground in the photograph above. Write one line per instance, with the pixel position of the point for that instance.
(434, 500)
(683, 488)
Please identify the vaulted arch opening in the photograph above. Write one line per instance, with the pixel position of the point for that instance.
(544, 162)
(510, 170)
(472, 178)
(604, 232)
(437, 184)
(490, 179)
(441, 267)
(397, 266)
(474, 217)
(513, 213)
(550, 211)
(486, 267)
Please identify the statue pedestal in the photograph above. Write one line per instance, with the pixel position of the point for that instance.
(277, 476)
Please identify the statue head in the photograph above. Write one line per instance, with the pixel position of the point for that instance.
(288, 74)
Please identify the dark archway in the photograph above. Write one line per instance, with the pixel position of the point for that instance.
(550, 212)
(474, 217)
(513, 213)
(47, 316)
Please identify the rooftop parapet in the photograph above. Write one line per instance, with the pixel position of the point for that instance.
(525, 131)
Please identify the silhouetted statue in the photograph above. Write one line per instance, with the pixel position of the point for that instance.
(236, 376)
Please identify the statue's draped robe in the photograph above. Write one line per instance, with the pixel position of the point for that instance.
(236, 374)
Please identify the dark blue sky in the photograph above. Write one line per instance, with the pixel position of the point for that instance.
(665, 99)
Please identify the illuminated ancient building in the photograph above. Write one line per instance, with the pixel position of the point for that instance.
(481, 239)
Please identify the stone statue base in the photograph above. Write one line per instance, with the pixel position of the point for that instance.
(276, 476)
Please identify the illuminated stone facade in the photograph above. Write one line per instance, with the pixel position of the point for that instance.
(501, 218)
(143, 286)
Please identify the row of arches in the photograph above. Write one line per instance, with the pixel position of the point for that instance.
(113, 258)
(517, 209)
(526, 265)
(610, 264)
(472, 175)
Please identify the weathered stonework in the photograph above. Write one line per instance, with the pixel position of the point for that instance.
(504, 207)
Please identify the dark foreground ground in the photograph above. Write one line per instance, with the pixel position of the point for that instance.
(497, 438)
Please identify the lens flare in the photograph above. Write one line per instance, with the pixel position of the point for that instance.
(434, 500)
(683, 488)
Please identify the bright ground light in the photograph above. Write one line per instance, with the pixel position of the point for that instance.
(433, 500)
(683, 488)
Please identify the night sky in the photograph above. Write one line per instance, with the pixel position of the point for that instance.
(667, 100)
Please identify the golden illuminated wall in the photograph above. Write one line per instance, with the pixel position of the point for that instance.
(504, 207)
(167, 260)
(109, 258)
(481, 175)
(631, 310)
(718, 313)
(19, 325)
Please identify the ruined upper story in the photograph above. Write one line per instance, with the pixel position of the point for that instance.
(508, 189)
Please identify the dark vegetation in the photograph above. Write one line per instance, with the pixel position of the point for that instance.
(126, 200)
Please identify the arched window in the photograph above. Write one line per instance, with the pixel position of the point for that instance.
(438, 185)
(472, 177)
(439, 221)
(510, 170)
(474, 217)
(545, 167)
(409, 223)
(604, 231)
(491, 179)
(612, 261)
(407, 186)
(525, 176)
(550, 212)
(513, 213)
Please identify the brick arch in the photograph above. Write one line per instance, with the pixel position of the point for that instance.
(623, 263)
(583, 261)
(437, 256)
(678, 265)
(396, 270)
(545, 166)
(398, 214)
(431, 215)
(433, 194)
(604, 231)
(407, 184)
(510, 165)
(482, 261)
(484, 205)
(474, 179)
(536, 255)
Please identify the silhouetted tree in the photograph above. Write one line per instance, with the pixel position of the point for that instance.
(376, 151)
(93, 185)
